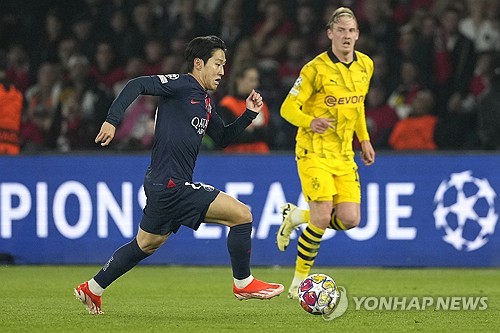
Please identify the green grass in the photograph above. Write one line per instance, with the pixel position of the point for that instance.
(199, 299)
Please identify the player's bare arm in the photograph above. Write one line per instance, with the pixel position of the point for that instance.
(106, 134)
(254, 101)
(367, 153)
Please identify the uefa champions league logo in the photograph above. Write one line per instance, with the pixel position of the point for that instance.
(465, 210)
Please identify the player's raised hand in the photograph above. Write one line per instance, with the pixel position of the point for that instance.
(254, 101)
(106, 134)
(320, 125)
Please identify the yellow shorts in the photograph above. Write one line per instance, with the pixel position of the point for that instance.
(326, 179)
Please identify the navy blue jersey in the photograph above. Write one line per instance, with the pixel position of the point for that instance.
(185, 113)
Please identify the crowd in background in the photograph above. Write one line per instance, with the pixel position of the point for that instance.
(435, 86)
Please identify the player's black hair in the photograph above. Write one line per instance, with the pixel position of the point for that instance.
(203, 48)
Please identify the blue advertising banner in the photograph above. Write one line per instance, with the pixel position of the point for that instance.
(417, 210)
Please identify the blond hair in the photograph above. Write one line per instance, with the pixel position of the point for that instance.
(338, 14)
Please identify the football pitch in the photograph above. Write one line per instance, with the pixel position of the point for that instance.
(199, 299)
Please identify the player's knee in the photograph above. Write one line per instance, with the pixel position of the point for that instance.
(246, 215)
(150, 245)
(350, 220)
(150, 248)
(321, 221)
(243, 215)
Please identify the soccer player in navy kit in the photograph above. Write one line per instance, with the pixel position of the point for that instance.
(185, 113)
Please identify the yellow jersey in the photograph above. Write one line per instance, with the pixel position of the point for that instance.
(328, 88)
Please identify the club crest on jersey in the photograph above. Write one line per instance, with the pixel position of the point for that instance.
(164, 78)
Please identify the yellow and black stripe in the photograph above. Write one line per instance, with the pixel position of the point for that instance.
(336, 223)
(307, 249)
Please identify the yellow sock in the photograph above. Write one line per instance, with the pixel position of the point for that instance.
(336, 223)
(307, 249)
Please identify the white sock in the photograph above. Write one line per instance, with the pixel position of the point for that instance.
(298, 216)
(95, 288)
(240, 284)
(297, 280)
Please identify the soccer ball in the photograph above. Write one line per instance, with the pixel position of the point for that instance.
(318, 294)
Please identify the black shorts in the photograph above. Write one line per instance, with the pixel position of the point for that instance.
(168, 209)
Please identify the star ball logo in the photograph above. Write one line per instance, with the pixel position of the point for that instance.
(465, 211)
(341, 308)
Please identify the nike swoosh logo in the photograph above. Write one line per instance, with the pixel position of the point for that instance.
(194, 102)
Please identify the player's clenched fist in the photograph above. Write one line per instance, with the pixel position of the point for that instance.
(254, 101)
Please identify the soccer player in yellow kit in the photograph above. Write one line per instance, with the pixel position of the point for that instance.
(326, 103)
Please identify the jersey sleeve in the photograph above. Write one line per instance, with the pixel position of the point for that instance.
(360, 127)
(153, 85)
(303, 88)
(224, 134)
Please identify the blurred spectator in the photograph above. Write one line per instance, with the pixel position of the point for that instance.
(136, 130)
(416, 132)
(18, 67)
(154, 52)
(440, 6)
(11, 104)
(133, 68)
(273, 31)
(423, 53)
(402, 97)
(75, 131)
(143, 28)
(137, 127)
(46, 47)
(309, 27)
(377, 23)
(207, 8)
(450, 42)
(122, 37)
(406, 43)
(83, 31)
(231, 27)
(85, 89)
(66, 49)
(488, 114)
(172, 64)
(382, 74)
(99, 11)
(255, 137)
(380, 117)
(243, 54)
(296, 57)
(482, 71)
(188, 23)
(38, 130)
(105, 69)
(454, 59)
(478, 27)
